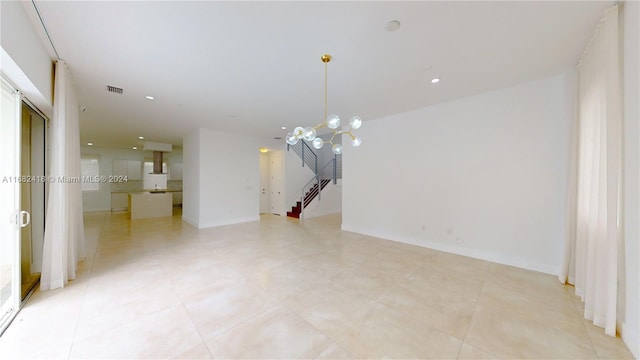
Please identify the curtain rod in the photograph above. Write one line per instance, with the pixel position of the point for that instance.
(45, 28)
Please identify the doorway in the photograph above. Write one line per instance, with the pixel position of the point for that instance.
(265, 187)
(271, 183)
(276, 182)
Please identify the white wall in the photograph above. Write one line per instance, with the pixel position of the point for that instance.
(191, 178)
(25, 60)
(483, 176)
(227, 167)
(631, 58)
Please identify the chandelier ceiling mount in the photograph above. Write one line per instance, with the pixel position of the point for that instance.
(330, 121)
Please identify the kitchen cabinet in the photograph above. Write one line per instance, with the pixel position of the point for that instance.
(119, 168)
(132, 169)
(119, 201)
(149, 205)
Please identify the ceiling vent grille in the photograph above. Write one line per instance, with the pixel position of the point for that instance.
(277, 138)
(114, 89)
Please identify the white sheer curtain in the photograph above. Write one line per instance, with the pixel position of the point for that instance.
(64, 230)
(591, 260)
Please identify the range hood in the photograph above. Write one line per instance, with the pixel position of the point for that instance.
(156, 180)
(157, 163)
(158, 149)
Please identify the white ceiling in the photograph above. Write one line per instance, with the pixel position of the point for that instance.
(252, 67)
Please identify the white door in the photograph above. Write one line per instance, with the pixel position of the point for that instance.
(265, 186)
(10, 215)
(277, 183)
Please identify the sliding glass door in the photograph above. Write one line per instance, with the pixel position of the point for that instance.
(32, 196)
(10, 216)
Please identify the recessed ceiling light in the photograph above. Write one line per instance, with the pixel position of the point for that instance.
(135, 148)
(392, 25)
(90, 143)
(141, 137)
(435, 80)
(149, 97)
(284, 128)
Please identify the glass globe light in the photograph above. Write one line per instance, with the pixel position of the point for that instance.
(298, 132)
(337, 149)
(333, 121)
(291, 139)
(355, 122)
(356, 141)
(317, 143)
(309, 134)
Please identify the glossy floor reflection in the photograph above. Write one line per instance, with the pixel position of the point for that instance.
(276, 289)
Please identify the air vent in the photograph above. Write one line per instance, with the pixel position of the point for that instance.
(277, 138)
(114, 89)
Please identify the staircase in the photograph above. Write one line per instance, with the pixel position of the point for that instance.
(308, 197)
(331, 171)
(306, 154)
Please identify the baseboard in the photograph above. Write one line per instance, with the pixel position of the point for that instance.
(95, 210)
(631, 339)
(225, 222)
(190, 221)
(494, 257)
(323, 213)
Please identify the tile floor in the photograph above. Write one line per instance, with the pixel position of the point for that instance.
(159, 288)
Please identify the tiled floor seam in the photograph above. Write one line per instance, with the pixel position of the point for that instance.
(84, 295)
(336, 341)
(574, 300)
(317, 329)
(575, 305)
(475, 307)
(238, 324)
(164, 270)
(204, 342)
(432, 327)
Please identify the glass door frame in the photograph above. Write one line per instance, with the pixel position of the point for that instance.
(38, 170)
(11, 217)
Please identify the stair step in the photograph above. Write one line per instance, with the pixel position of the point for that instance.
(308, 198)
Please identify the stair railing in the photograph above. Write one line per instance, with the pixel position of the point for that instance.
(317, 180)
(338, 167)
(307, 155)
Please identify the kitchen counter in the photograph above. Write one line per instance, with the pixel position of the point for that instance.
(144, 205)
(142, 191)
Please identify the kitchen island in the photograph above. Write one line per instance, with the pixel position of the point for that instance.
(150, 204)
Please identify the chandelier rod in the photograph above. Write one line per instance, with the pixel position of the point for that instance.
(325, 59)
(326, 63)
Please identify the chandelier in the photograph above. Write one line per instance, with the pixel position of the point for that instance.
(331, 121)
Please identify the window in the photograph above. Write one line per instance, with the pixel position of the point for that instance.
(90, 172)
